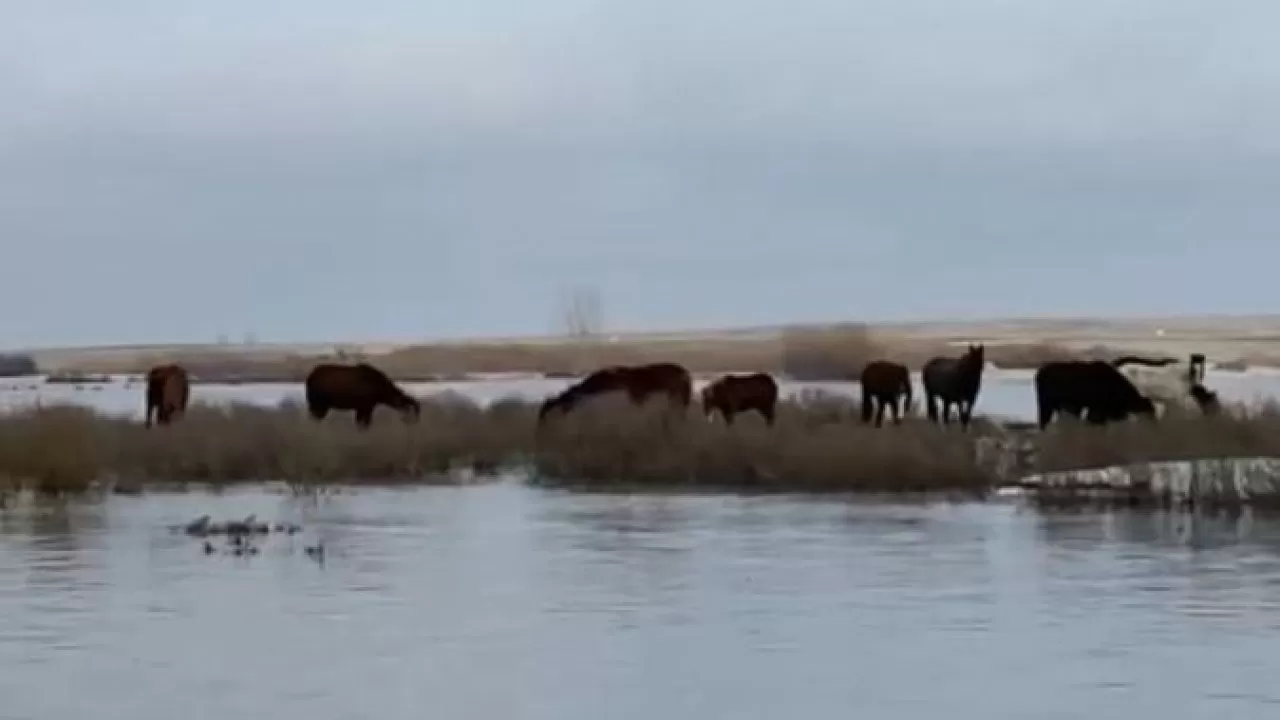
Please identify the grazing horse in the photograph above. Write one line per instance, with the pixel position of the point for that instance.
(733, 394)
(1093, 389)
(1168, 381)
(361, 387)
(168, 390)
(638, 381)
(883, 383)
(954, 380)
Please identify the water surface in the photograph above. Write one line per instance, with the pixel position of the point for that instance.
(510, 602)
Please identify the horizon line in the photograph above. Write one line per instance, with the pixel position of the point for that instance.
(674, 333)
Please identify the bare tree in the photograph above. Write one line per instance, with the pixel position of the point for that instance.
(581, 316)
(582, 322)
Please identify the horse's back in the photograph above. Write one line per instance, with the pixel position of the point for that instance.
(1087, 381)
(884, 375)
(346, 385)
(667, 376)
(752, 386)
(1168, 382)
(167, 382)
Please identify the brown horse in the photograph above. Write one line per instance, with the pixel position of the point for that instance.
(883, 383)
(638, 381)
(733, 394)
(168, 390)
(360, 387)
(954, 380)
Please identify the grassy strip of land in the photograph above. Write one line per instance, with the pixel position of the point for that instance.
(818, 445)
(836, 353)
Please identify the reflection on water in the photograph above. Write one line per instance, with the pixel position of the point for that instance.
(509, 602)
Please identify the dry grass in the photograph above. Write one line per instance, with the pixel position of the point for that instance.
(818, 445)
(835, 352)
(1240, 432)
(71, 448)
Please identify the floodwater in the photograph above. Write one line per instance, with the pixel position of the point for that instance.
(1005, 393)
(514, 603)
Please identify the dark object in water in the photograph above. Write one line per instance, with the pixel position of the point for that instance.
(638, 381)
(883, 384)
(202, 527)
(168, 389)
(733, 394)
(315, 552)
(954, 381)
(361, 388)
(1092, 389)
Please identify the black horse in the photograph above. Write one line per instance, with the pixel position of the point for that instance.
(1090, 389)
(954, 380)
(883, 383)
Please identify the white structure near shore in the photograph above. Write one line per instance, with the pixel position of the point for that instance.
(1220, 480)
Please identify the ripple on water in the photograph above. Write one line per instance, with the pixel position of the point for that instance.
(512, 602)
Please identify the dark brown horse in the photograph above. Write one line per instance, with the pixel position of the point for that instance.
(360, 387)
(883, 383)
(168, 390)
(637, 381)
(733, 394)
(954, 381)
(1092, 390)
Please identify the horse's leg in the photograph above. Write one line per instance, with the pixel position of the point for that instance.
(317, 410)
(1044, 415)
(897, 415)
(930, 410)
(364, 417)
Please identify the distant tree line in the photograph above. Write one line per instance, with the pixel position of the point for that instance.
(17, 365)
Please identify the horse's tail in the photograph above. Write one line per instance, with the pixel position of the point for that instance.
(866, 404)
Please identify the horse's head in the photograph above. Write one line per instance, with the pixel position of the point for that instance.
(976, 355)
(411, 410)
(1206, 399)
(1195, 369)
(1143, 407)
(551, 404)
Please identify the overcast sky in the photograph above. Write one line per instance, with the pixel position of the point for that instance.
(313, 169)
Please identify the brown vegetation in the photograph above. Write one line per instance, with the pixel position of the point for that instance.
(818, 444)
(836, 352)
(1179, 435)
